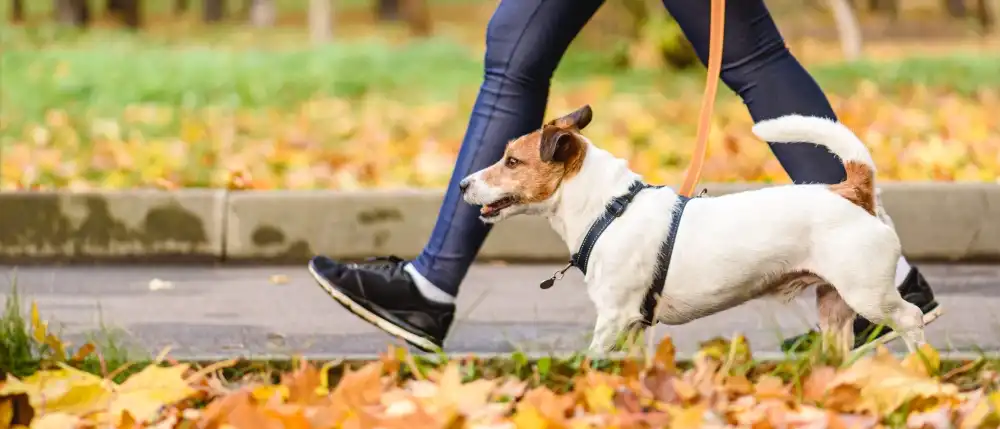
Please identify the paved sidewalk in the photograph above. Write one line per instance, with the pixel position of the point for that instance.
(218, 312)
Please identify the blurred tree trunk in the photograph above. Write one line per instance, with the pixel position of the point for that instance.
(387, 10)
(262, 13)
(320, 20)
(986, 14)
(418, 16)
(655, 39)
(891, 7)
(72, 12)
(128, 11)
(848, 29)
(215, 10)
(956, 8)
(246, 7)
(180, 7)
(17, 10)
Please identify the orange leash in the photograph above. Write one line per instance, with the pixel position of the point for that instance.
(717, 23)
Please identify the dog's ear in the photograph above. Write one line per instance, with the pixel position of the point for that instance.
(557, 144)
(578, 119)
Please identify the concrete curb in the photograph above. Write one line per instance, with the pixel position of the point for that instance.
(141, 225)
(936, 222)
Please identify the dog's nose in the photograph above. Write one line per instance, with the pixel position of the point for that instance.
(463, 185)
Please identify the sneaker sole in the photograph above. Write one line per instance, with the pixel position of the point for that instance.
(929, 317)
(379, 322)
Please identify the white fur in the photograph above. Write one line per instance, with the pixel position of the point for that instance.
(729, 249)
(825, 132)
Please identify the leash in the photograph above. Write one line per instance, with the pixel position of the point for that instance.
(716, 32)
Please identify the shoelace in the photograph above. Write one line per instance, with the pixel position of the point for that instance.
(389, 263)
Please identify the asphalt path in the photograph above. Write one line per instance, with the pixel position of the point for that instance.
(217, 312)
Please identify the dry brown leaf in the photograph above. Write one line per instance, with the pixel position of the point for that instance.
(882, 384)
(817, 384)
(665, 355)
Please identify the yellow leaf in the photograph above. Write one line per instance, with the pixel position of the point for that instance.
(924, 361)
(688, 418)
(6, 413)
(56, 421)
(64, 390)
(264, 393)
(57, 346)
(144, 393)
(529, 418)
(600, 398)
(324, 378)
(38, 327)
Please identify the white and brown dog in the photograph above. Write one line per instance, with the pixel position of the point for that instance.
(727, 250)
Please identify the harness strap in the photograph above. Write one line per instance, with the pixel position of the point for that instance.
(611, 212)
(663, 263)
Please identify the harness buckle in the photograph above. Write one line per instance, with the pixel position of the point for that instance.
(618, 206)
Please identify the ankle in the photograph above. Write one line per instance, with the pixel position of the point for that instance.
(426, 288)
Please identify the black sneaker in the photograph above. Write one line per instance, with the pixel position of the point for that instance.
(381, 293)
(914, 290)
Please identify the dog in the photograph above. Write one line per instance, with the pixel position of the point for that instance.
(726, 250)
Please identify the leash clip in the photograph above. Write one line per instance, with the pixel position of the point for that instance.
(558, 275)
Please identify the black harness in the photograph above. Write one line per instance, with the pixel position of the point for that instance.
(618, 205)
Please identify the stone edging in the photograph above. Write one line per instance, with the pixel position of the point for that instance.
(936, 221)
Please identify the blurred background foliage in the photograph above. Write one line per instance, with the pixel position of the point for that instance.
(348, 94)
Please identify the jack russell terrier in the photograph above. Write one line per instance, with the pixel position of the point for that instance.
(650, 256)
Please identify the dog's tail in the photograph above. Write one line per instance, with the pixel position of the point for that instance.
(859, 187)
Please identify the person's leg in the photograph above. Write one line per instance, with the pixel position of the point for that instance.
(525, 41)
(757, 65)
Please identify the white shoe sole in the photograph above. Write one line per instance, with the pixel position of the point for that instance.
(389, 327)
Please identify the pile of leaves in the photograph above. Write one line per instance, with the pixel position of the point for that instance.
(722, 387)
(376, 141)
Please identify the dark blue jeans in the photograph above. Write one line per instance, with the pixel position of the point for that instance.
(526, 39)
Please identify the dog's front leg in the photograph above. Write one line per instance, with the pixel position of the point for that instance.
(608, 331)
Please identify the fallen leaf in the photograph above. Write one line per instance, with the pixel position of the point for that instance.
(56, 421)
(665, 355)
(143, 394)
(883, 385)
(924, 361)
(157, 284)
(65, 390)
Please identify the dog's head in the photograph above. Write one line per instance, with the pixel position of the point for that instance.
(531, 170)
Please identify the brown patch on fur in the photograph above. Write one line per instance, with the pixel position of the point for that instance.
(535, 164)
(789, 285)
(859, 187)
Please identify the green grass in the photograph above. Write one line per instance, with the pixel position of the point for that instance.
(17, 353)
(21, 355)
(106, 74)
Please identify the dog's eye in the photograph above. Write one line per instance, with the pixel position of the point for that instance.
(512, 162)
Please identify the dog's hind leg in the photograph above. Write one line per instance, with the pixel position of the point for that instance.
(864, 278)
(836, 320)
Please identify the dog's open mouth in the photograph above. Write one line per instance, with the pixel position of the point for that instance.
(494, 208)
